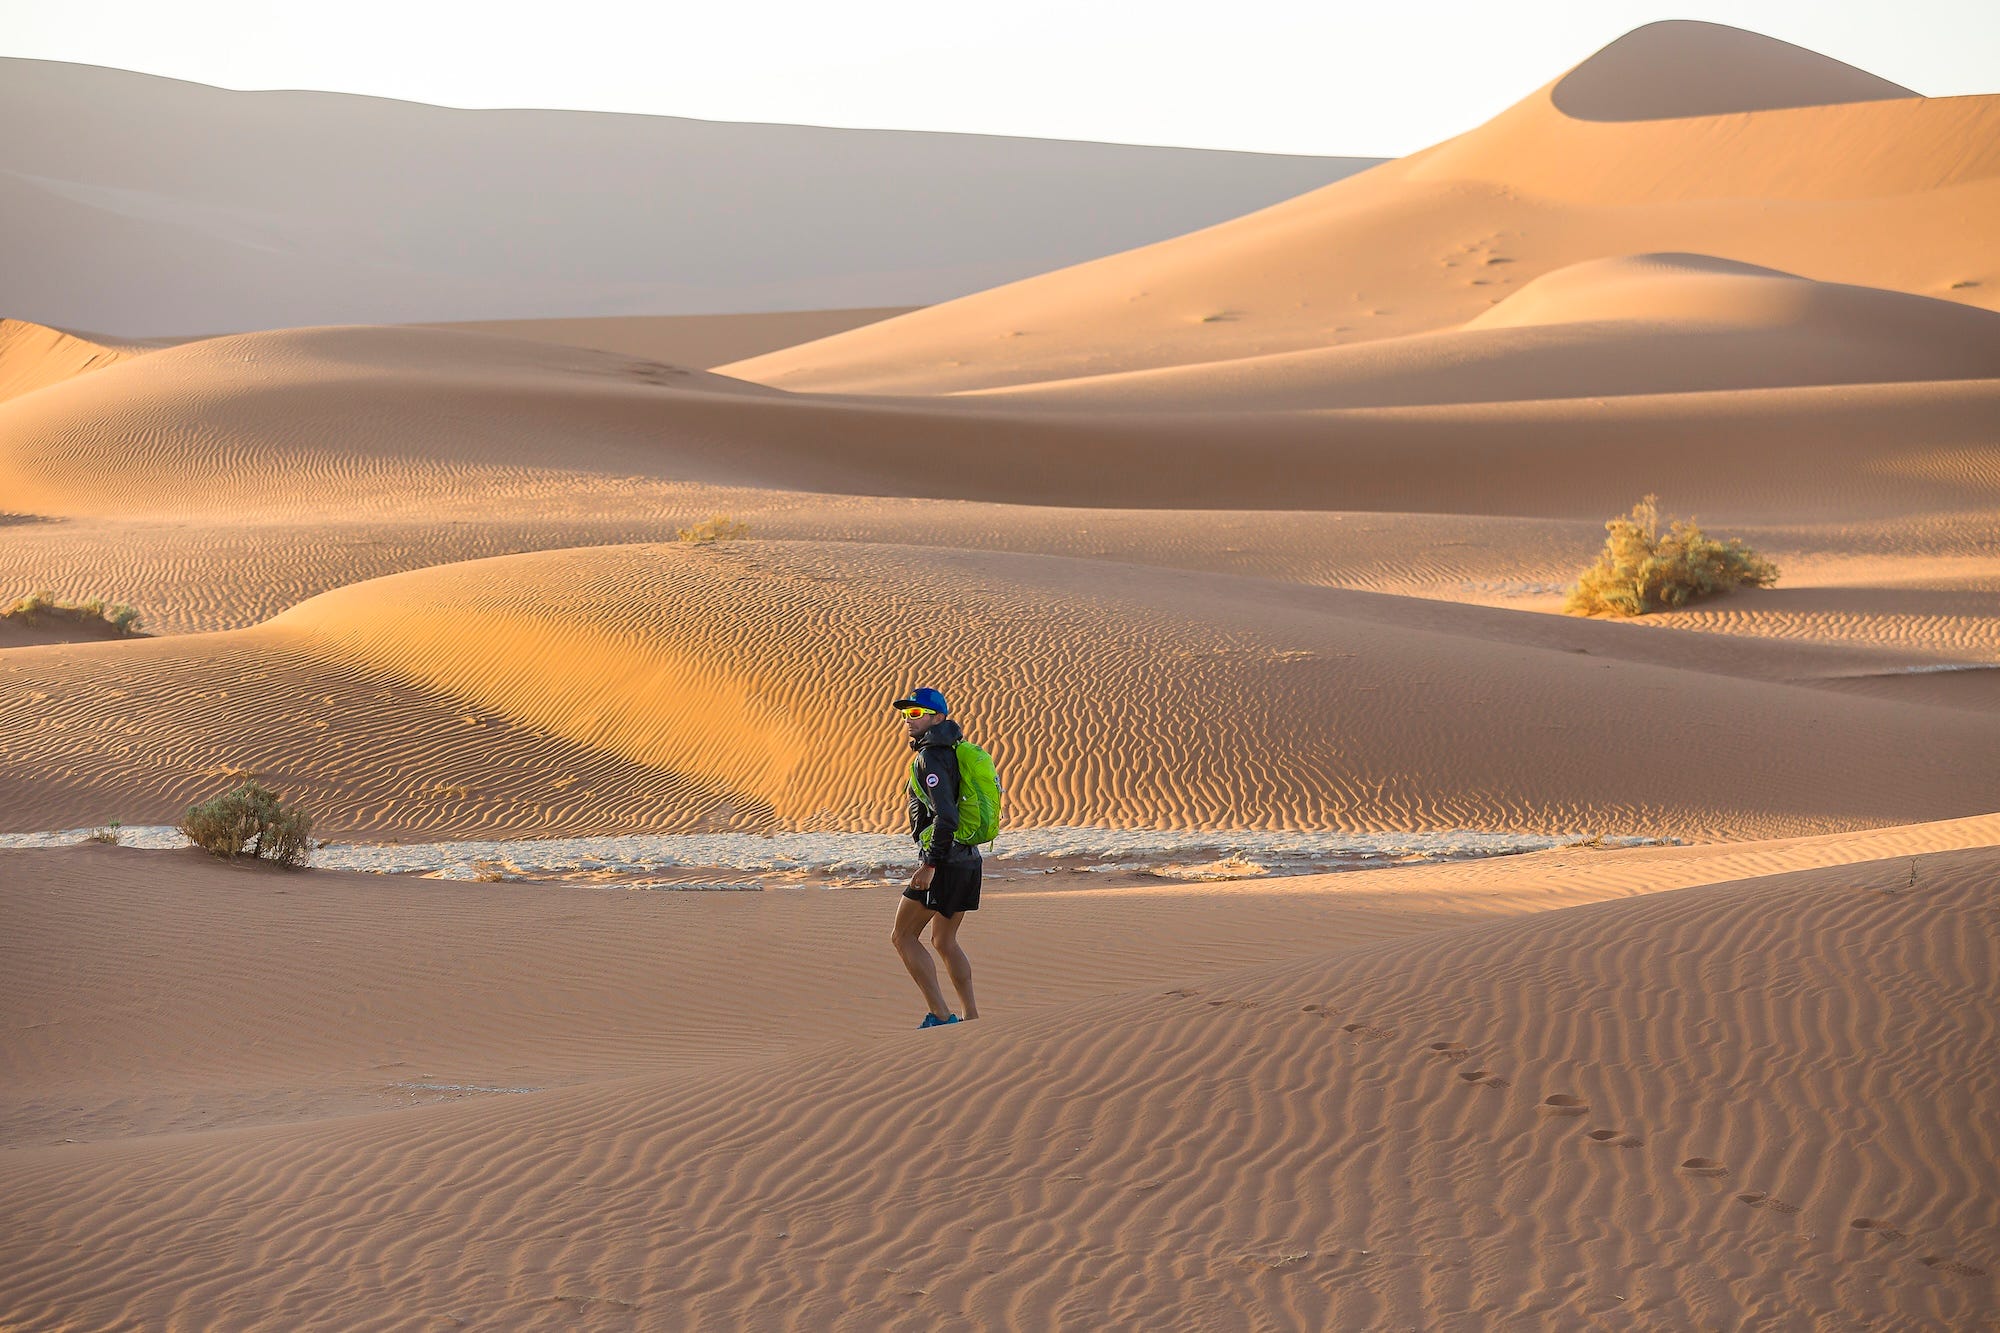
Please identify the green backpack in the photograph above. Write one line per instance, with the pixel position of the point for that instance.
(978, 795)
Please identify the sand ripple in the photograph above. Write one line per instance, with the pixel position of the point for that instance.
(686, 689)
(1776, 1084)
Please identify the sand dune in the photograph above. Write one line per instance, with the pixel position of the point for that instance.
(1709, 293)
(1896, 194)
(424, 423)
(1847, 428)
(334, 420)
(32, 356)
(1913, 586)
(236, 959)
(163, 207)
(1650, 324)
(1674, 71)
(1441, 1100)
(681, 688)
(1260, 528)
(1959, 618)
(699, 341)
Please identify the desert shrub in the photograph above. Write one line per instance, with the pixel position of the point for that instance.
(1639, 570)
(250, 817)
(112, 834)
(39, 607)
(716, 528)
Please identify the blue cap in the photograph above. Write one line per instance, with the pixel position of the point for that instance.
(924, 698)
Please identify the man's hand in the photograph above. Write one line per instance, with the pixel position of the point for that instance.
(922, 879)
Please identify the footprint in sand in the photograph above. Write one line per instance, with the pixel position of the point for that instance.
(1369, 1033)
(1704, 1166)
(1759, 1199)
(1876, 1226)
(1482, 1078)
(1451, 1050)
(1564, 1104)
(1615, 1138)
(1939, 1263)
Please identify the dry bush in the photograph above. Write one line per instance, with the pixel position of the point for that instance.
(38, 607)
(1639, 570)
(715, 528)
(250, 817)
(111, 834)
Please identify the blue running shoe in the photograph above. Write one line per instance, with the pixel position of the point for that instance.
(933, 1021)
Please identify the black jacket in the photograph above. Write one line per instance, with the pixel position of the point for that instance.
(937, 772)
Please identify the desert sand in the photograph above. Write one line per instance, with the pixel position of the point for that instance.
(697, 341)
(1668, 1087)
(161, 207)
(1264, 528)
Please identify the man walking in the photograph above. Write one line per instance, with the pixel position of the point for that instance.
(946, 883)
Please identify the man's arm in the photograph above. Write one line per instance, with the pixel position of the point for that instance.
(938, 771)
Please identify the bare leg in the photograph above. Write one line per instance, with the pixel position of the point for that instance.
(944, 938)
(907, 935)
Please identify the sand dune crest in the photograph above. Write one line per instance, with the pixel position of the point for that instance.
(32, 356)
(1711, 291)
(1897, 194)
(1678, 68)
(1642, 324)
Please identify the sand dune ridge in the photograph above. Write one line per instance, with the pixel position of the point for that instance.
(1678, 69)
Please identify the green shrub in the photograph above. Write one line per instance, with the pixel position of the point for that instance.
(719, 527)
(38, 607)
(1640, 571)
(250, 817)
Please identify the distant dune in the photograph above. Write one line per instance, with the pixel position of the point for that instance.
(1605, 328)
(1897, 194)
(154, 206)
(1675, 71)
(421, 423)
(684, 340)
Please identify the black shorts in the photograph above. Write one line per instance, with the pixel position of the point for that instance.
(954, 888)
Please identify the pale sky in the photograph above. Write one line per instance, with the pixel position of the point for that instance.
(1369, 79)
